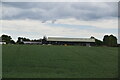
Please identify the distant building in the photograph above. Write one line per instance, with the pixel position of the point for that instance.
(2, 42)
(31, 42)
(70, 41)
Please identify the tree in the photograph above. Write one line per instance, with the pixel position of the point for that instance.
(97, 42)
(21, 39)
(25, 39)
(110, 40)
(106, 40)
(92, 37)
(44, 40)
(7, 39)
(37, 40)
(12, 42)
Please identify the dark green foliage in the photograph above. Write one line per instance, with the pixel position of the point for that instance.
(106, 40)
(42, 61)
(25, 39)
(113, 41)
(97, 42)
(7, 39)
(110, 40)
(44, 40)
(37, 40)
(12, 42)
(21, 39)
(92, 37)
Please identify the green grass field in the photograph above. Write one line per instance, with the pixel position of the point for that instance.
(42, 61)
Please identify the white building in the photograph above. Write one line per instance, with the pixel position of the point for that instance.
(31, 42)
(2, 42)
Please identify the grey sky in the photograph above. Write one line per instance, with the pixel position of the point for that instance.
(72, 19)
(49, 11)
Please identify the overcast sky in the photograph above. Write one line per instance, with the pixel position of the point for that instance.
(66, 19)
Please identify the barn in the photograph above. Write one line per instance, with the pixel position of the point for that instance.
(70, 41)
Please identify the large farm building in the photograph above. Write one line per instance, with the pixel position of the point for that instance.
(69, 41)
(64, 41)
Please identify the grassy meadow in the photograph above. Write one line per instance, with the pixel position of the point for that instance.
(48, 61)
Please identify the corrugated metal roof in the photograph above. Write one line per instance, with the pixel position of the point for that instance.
(70, 39)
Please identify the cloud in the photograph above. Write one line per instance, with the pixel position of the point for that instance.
(105, 24)
(10, 12)
(36, 29)
(53, 10)
(60, 0)
(76, 19)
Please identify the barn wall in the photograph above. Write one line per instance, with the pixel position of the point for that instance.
(70, 43)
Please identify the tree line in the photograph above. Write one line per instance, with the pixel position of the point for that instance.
(108, 40)
(9, 40)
